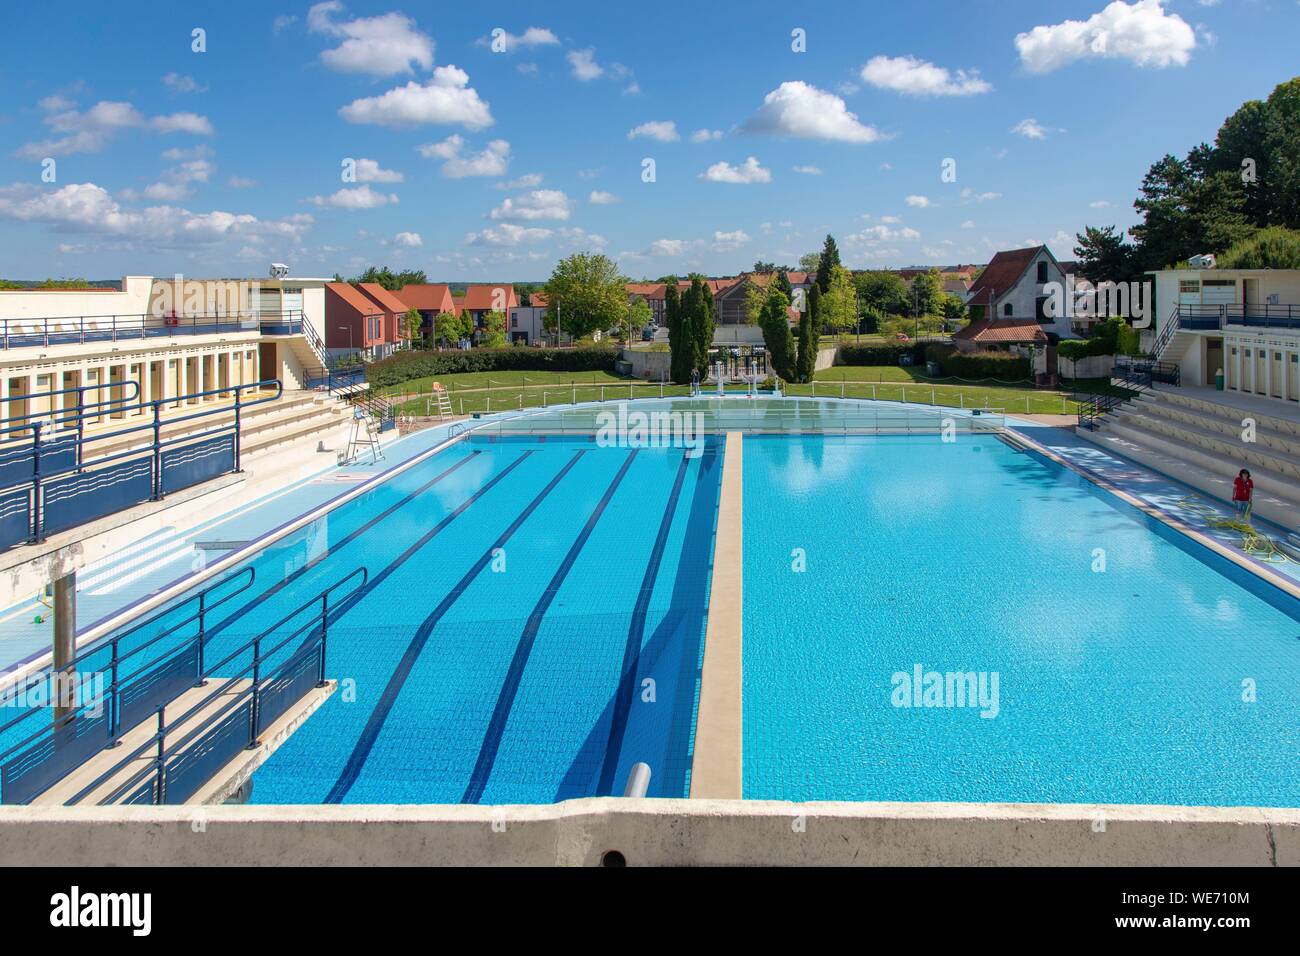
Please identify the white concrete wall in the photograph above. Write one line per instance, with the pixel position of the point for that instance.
(653, 833)
(58, 303)
(655, 366)
(737, 335)
(1093, 366)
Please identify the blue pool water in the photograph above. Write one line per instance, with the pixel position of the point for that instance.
(1122, 685)
(532, 627)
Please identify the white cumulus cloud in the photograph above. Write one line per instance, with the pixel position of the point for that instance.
(584, 65)
(1140, 32)
(748, 172)
(599, 197)
(378, 46)
(491, 161)
(369, 171)
(508, 42)
(356, 197)
(916, 77)
(663, 130)
(538, 204)
(796, 108)
(446, 97)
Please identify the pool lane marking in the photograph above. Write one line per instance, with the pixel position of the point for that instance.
(487, 754)
(342, 542)
(716, 767)
(375, 722)
(635, 635)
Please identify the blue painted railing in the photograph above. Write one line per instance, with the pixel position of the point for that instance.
(335, 379)
(82, 329)
(1254, 315)
(256, 682)
(52, 481)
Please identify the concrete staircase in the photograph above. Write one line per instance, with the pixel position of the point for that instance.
(1176, 349)
(295, 416)
(1166, 425)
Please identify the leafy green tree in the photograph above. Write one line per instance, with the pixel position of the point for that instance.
(883, 294)
(926, 290)
(810, 261)
(1104, 256)
(813, 306)
(952, 306)
(493, 334)
(762, 267)
(411, 323)
(638, 317)
(838, 310)
(806, 358)
(827, 262)
(703, 325)
(679, 333)
(1272, 248)
(390, 280)
(587, 293)
(777, 337)
(450, 328)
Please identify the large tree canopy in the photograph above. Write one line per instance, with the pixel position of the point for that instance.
(1220, 194)
(390, 280)
(586, 293)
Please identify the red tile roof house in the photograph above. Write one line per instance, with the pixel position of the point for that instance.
(652, 293)
(355, 323)
(479, 300)
(1008, 307)
(429, 299)
(394, 313)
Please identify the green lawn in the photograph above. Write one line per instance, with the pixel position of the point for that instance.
(909, 384)
(494, 391)
(475, 392)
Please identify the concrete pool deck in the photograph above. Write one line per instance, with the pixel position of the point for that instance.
(716, 767)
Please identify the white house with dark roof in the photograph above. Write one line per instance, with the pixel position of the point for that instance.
(1016, 285)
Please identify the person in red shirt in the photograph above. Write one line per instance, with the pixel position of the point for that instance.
(1242, 489)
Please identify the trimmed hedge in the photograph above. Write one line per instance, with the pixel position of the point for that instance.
(405, 366)
(1003, 366)
(1075, 349)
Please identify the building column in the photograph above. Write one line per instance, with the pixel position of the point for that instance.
(63, 670)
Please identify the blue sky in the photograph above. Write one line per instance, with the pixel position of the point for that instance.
(475, 163)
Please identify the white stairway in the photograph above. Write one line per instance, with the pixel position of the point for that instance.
(1165, 427)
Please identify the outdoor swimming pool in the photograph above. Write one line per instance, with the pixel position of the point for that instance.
(1126, 656)
(534, 624)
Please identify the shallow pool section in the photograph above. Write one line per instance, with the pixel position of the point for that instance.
(1131, 666)
(532, 626)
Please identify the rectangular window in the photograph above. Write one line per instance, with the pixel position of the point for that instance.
(1042, 272)
(1189, 286)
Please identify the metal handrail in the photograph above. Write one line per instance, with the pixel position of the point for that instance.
(35, 482)
(319, 633)
(80, 329)
(1166, 335)
(117, 682)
